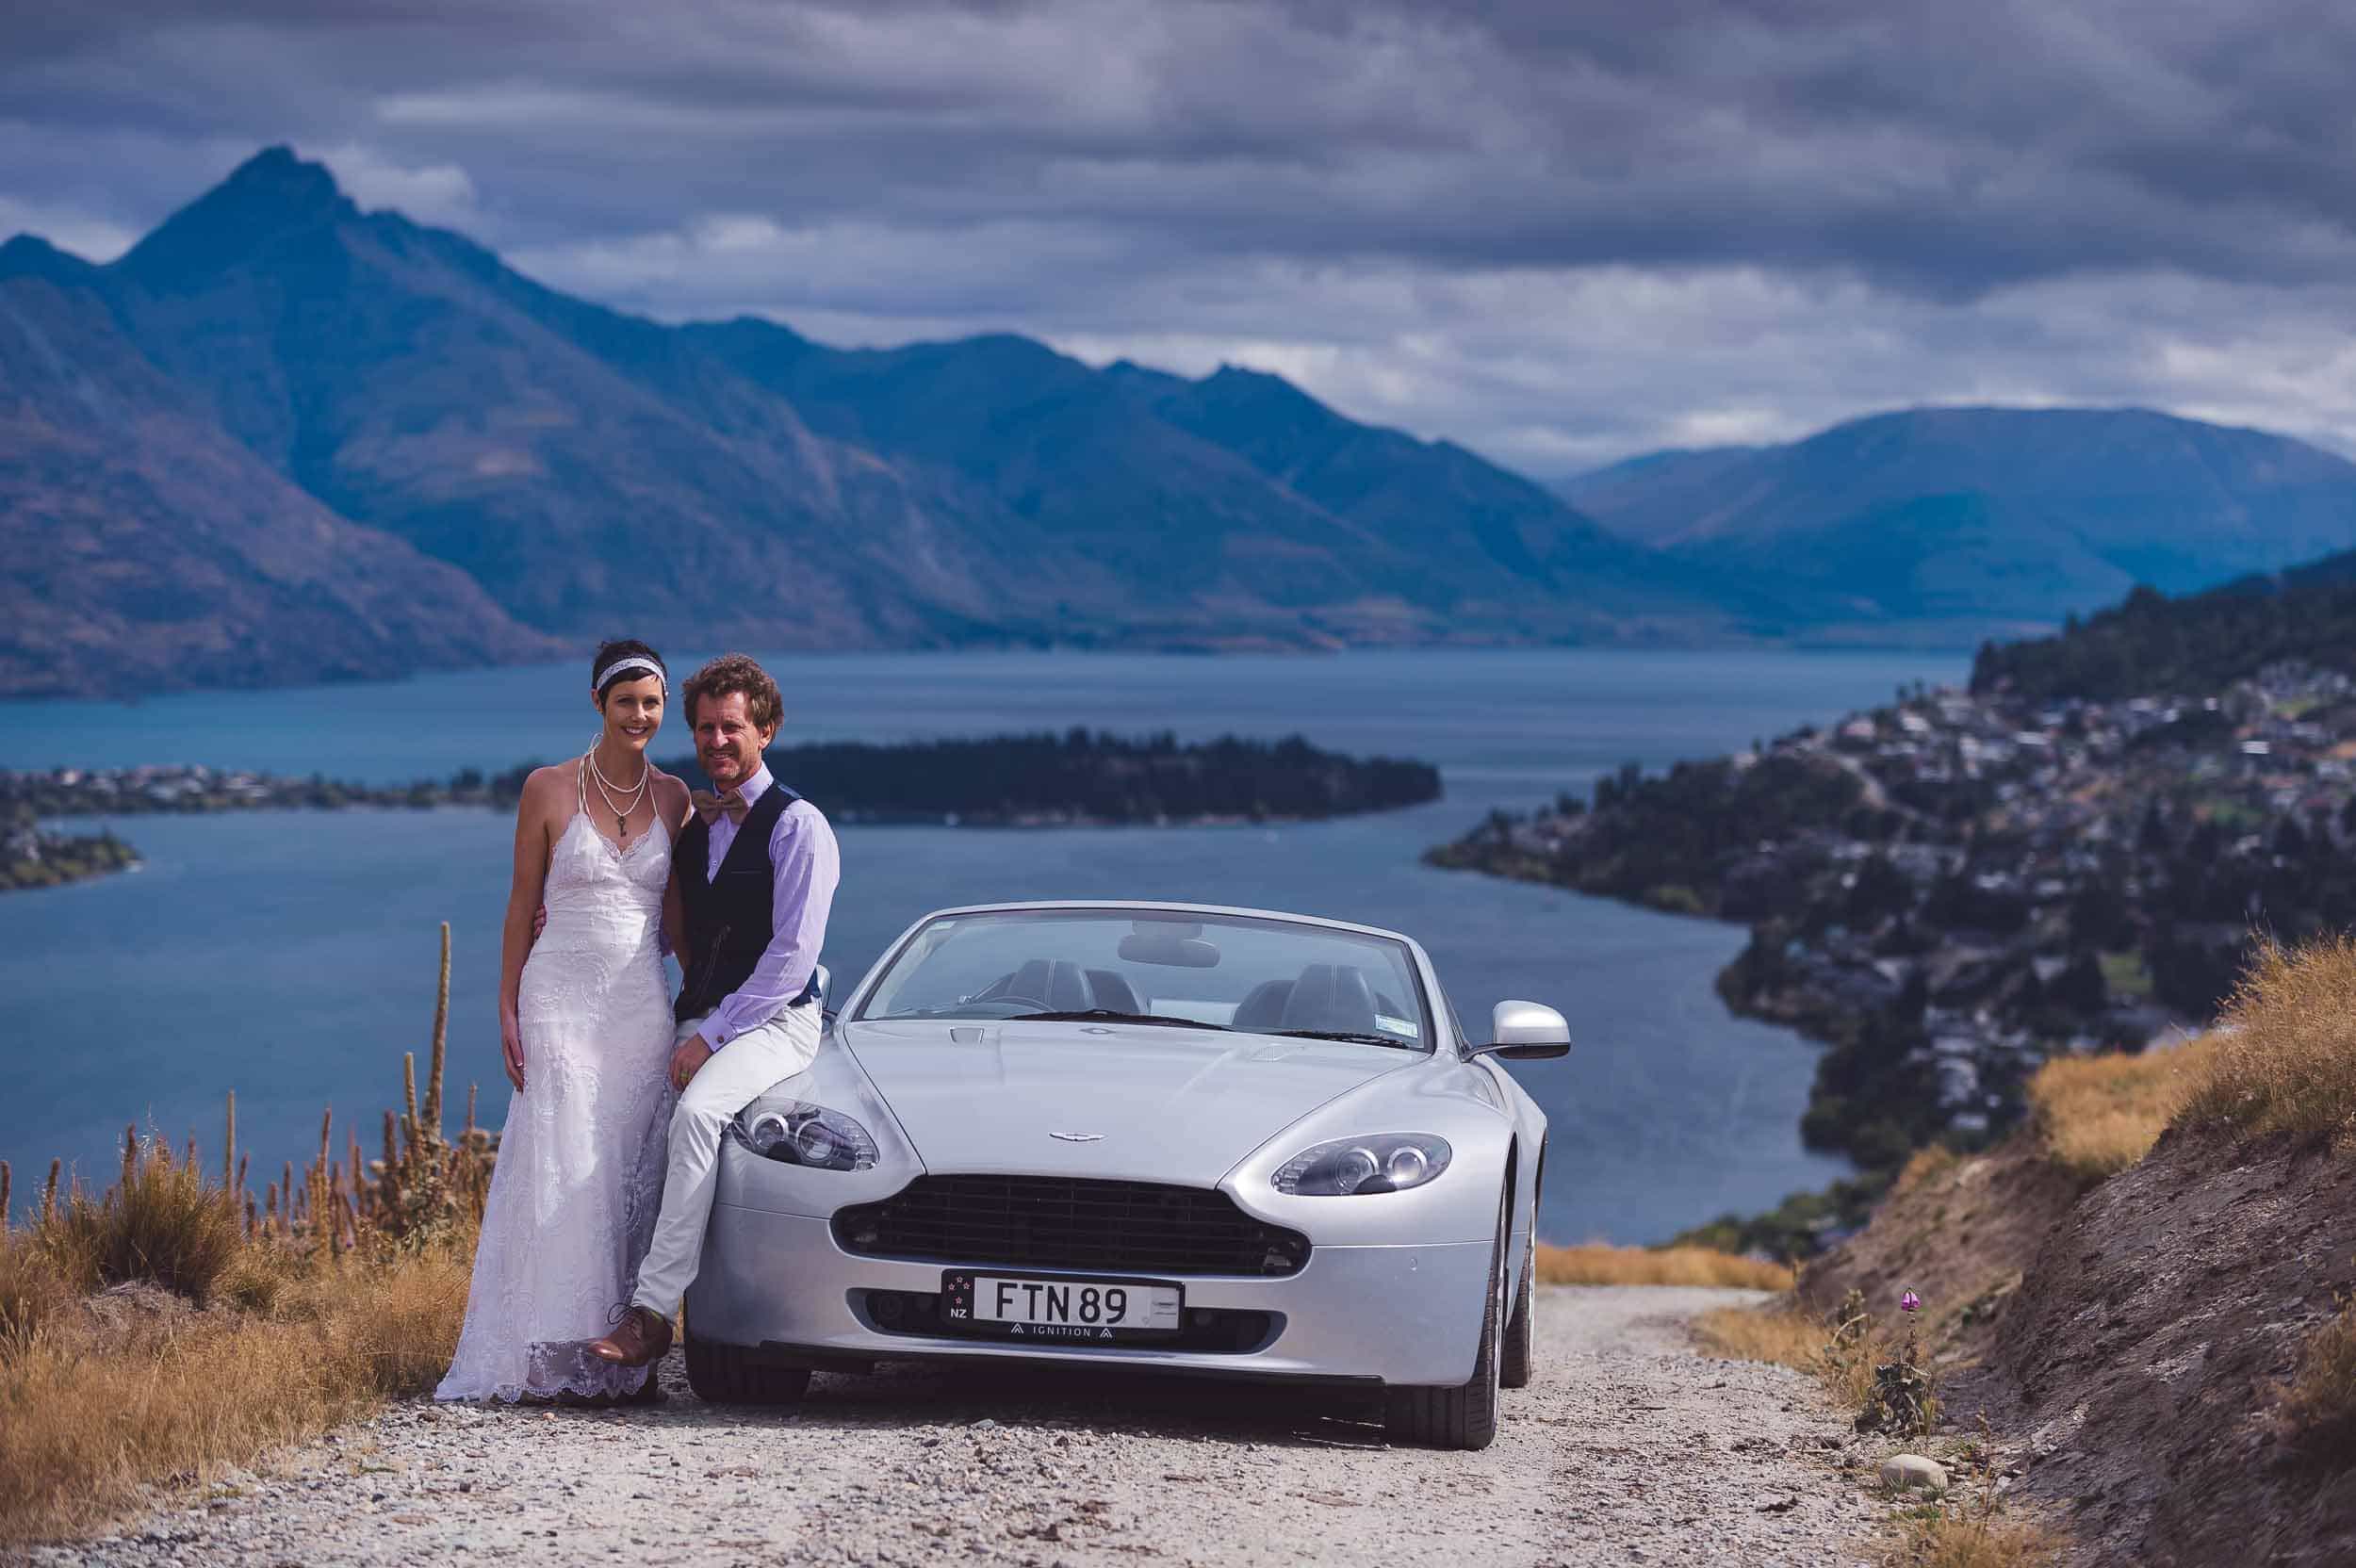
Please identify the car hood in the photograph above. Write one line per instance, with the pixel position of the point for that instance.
(1148, 1103)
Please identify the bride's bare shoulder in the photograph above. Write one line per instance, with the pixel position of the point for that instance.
(547, 786)
(671, 791)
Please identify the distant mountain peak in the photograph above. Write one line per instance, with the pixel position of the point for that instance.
(272, 193)
(1240, 389)
(1240, 376)
(279, 174)
(29, 256)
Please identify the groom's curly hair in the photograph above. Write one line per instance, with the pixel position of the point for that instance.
(735, 672)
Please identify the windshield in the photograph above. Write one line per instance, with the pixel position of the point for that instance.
(1226, 971)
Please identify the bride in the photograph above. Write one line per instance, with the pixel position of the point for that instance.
(585, 1027)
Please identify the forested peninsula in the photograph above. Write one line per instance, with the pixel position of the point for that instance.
(32, 856)
(1082, 777)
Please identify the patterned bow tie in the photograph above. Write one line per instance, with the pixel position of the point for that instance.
(709, 806)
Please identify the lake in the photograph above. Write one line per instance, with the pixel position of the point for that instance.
(290, 955)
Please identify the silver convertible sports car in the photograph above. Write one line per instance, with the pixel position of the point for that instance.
(1222, 1142)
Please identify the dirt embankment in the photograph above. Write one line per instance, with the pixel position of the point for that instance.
(2130, 1340)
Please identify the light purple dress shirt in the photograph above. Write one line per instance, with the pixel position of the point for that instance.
(805, 865)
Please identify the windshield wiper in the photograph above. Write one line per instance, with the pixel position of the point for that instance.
(1107, 1015)
(1349, 1036)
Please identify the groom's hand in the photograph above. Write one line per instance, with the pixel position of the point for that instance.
(688, 1060)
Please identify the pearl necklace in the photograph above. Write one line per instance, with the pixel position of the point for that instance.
(621, 812)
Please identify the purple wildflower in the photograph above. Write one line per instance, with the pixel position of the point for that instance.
(1908, 1301)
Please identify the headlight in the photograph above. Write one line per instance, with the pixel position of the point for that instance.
(797, 1133)
(1387, 1162)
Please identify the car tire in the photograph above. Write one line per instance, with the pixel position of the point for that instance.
(1465, 1417)
(1514, 1354)
(727, 1374)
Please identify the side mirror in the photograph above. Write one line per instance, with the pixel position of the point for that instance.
(1526, 1032)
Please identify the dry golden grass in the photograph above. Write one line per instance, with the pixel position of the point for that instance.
(1779, 1334)
(1926, 1164)
(2285, 1061)
(219, 1328)
(164, 1223)
(1957, 1536)
(30, 1295)
(2320, 1404)
(1665, 1266)
(2099, 1115)
(1785, 1334)
(88, 1415)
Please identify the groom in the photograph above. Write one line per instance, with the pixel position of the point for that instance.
(756, 871)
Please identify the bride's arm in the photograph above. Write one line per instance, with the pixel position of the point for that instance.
(523, 902)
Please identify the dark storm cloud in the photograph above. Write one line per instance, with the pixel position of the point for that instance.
(1339, 190)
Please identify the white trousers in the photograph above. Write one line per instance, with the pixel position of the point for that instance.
(736, 1075)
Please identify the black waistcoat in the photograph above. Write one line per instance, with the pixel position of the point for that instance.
(730, 917)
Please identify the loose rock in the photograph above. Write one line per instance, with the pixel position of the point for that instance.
(1905, 1470)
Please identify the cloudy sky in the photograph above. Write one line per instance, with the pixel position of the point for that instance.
(1559, 231)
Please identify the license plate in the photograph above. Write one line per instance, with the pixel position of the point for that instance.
(1060, 1307)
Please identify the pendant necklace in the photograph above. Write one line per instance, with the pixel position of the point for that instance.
(621, 812)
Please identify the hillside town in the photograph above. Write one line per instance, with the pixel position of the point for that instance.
(1953, 888)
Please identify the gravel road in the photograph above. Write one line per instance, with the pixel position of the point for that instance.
(1627, 1448)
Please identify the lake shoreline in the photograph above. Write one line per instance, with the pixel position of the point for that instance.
(1042, 781)
(280, 953)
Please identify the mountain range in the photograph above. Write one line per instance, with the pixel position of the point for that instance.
(285, 439)
(1984, 516)
(522, 470)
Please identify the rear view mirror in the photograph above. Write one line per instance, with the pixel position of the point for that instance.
(1526, 1032)
(1168, 951)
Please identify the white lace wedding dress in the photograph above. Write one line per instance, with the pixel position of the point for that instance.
(579, 1172)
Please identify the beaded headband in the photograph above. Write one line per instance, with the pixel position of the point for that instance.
(626, 662)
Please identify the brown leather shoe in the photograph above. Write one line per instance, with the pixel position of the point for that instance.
(640, 1337)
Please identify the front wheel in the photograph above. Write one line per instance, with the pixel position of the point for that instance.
(727, 1374)
(1464, 1417)
(1513, 1356)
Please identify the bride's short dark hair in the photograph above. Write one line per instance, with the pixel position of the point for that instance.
(624, 647)
(736, 672)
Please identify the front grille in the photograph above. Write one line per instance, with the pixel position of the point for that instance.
(1068, 1222)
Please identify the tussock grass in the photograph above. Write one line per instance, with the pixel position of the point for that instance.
(1779, 1332)
(2099, 1115)
(164, 1223)
(1783, 1334)
(31, 1293)
(2320, 1404)
(1598, 1265)
(1926, 1164)
(1957, 1536)
(1846, 1352)
(2285, 1059)
(173, 1326)
(88, 1415)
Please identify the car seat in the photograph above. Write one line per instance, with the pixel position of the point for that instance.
(1333, 999)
